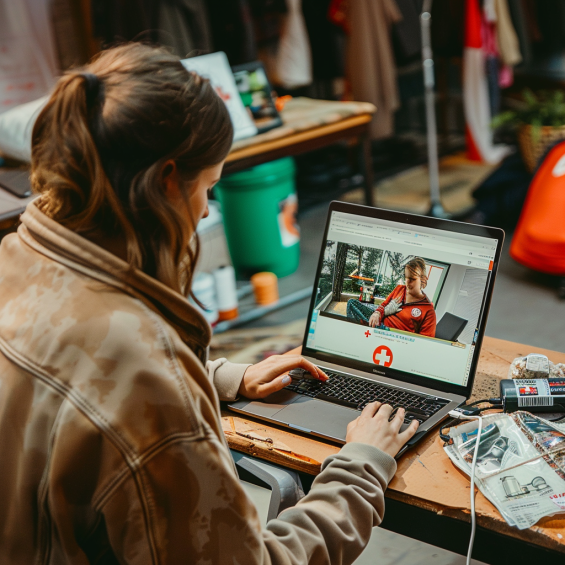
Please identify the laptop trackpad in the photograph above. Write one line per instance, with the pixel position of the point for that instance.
(317, 416)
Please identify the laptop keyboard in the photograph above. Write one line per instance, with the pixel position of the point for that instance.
(355, 393)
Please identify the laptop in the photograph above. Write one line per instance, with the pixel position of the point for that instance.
(365, 253)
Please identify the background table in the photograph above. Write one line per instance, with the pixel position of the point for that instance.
(428, 498)
(309, 125)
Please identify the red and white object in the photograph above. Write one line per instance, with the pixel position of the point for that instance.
(478, 131)
(226, 293)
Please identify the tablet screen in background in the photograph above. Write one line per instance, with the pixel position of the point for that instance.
(255, 92)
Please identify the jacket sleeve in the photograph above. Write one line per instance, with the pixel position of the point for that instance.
(428, 326)
(226, 377)
(186, 505)
(381, 306)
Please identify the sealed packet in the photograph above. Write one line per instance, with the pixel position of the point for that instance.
(520, 464)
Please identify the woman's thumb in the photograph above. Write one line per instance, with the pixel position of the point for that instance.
(277, 384)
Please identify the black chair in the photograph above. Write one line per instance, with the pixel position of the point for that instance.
(450, 327)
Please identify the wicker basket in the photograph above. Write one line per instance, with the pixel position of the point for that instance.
(532, 151)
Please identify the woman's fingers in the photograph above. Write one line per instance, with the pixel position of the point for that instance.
(398, 419)
(313, 370)
(409, 431)
(385, 411)
(283, 363)
(275, 385)
(370, 410)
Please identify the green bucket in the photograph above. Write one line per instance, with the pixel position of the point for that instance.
(259, 208)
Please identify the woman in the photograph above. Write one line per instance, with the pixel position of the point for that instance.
(110, 434)
(406, 308)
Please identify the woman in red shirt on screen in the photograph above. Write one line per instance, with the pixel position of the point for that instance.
(407, 307)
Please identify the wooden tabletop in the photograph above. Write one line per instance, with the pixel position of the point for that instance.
(307, 125)
(299, 137)
(425, 477)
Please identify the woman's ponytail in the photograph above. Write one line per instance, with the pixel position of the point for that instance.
(66, 164)
(100, 145)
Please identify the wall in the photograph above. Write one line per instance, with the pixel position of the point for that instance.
(462, 296)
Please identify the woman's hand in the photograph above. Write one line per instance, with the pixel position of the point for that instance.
(267, 377)
(373, 427)
(375, 319)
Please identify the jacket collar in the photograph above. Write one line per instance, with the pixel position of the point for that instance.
(66, 247)
(424, 300)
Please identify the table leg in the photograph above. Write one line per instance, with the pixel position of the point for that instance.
(365, 145)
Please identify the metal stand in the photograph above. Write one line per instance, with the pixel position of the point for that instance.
(436, 209)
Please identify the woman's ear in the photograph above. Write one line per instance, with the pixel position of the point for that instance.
(170, 178)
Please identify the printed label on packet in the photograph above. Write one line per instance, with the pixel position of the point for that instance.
(558, 499)
(533, 392)
(537, 364)
(557, 387)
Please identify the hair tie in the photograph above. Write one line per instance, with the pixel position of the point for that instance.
(92, 86)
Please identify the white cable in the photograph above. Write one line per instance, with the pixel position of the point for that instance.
(458, 415)
(473, 516)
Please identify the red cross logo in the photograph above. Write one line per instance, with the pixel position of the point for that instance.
(367, 333)
(382, 356)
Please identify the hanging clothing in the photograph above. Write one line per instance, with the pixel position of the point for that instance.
(326, 41)
(287, 59)
(490, 50)
(476, 102)
(183, 25)
(406, 34)
(448, 27)
(180, 24)
(233, 30)
(519, 21)
(506, 38)
(294, 59)
(370, 60)
(114, 20)
(28, 64)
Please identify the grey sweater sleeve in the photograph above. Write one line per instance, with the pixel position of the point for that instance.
(226, 377)
(333, 523)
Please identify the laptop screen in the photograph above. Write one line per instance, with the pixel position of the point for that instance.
(398, 298)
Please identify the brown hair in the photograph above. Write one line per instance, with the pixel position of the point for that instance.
(100, 145)
(417, 268)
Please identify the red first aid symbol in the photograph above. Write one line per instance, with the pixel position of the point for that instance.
(382, 356)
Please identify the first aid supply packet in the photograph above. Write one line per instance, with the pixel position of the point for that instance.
(520, 464)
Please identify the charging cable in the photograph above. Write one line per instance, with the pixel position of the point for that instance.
(459, 415)
(465, 412)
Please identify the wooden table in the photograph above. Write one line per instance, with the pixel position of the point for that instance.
(310, 125)
(426, 482)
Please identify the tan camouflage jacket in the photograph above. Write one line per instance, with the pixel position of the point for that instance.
(111, 448)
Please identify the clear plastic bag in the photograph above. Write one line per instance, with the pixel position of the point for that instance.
(535, 366)
(520, 464)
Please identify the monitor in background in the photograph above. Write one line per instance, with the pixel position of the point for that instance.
(255, 92)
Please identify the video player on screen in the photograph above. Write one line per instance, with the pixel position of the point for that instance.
(406, 308)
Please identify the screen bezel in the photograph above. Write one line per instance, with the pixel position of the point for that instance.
(417, 221)
(250, 68)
